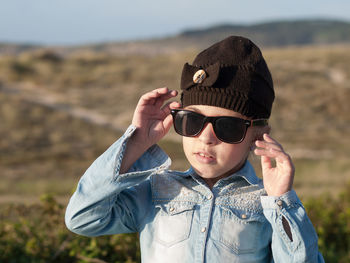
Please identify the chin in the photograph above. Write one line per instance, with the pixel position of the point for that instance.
(208, 174)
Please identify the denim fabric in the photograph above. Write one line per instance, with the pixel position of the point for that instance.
(180, 219)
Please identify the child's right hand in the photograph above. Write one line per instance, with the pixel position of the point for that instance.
(152, 119)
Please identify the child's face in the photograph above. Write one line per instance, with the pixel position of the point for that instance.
(211, 158)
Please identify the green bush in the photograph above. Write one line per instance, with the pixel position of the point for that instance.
(36, 233)
(331, 218)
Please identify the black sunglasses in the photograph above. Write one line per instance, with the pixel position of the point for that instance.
(227, 129)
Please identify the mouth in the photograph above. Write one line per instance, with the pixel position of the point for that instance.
(205, 157)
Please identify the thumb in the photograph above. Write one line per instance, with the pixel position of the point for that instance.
(265, 163)
(168, 121)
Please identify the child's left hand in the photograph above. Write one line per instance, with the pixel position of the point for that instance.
(277, 179)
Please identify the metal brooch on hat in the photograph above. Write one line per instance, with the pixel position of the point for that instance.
(193, 75)
(199, 76)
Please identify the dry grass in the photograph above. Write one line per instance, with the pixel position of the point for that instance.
(59, 112)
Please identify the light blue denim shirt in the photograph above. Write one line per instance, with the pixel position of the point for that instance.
(180, 219)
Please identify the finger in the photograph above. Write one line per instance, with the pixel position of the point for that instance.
(175, 105)
(266, 163)
(168, 121)
(160, 100)
(170, 105)
(268, 138)
(268, 142)
(271, 148)
(161, 90)
(165, 92)
(271, 140)
(269, 152)
(167, 107)
(268, 145)
(149, 97)
(157, 96)
(155, 93)
(279, 156)
(162, 95)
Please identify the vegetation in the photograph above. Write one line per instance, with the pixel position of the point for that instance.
(37, 233)
(331, 218)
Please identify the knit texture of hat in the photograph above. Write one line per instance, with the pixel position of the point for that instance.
(235, 77)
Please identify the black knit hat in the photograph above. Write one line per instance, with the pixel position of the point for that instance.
(231, 74)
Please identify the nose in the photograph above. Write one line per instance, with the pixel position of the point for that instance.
(207, 135)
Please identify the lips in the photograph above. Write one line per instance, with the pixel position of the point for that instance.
(204, 157)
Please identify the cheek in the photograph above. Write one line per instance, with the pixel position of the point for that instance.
(187, 145)
(235, 152)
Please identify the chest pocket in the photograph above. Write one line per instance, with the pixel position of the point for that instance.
(173, 222)
(241, 232)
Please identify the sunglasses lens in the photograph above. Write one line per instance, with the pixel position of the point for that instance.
(227, 129)
(230, 130)
(188, 123)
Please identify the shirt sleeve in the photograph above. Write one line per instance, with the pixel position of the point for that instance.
(106, 202)
(302, 246)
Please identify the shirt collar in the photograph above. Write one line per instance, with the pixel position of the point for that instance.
(247, 172)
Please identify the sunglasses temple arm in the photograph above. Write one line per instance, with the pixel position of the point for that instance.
(260, 122)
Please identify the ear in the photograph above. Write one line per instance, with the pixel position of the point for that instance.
(259, 132)
(266, 129)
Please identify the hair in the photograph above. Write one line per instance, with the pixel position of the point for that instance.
(259, 131)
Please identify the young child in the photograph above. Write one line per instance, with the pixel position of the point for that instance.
(217, 210)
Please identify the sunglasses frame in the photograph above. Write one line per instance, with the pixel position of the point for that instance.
(213, 119)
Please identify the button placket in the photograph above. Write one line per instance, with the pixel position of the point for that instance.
(209, 197)
(205, 216)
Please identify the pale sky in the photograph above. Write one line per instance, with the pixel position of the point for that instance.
(76, 22)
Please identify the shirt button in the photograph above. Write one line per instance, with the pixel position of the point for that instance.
(203, 229)
(279, 203)
(244, 216)
(209, 197)
(171, 209)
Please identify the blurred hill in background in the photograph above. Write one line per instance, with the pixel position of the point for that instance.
(279, 33)
(60, 107)
(268, 34)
